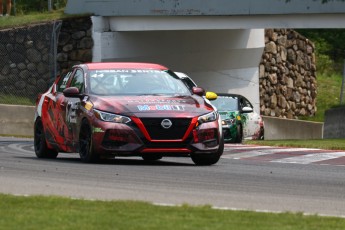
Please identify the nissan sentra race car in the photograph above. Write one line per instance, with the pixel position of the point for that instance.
(103, 110)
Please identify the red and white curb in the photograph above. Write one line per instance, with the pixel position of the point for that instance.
(284, 155)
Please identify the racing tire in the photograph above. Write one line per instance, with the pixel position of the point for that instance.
(239, 136)
(40, 144)
(148, 157)
(86, 151)
(208, 159)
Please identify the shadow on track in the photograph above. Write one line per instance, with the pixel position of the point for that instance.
(26, 145)
(115, 161)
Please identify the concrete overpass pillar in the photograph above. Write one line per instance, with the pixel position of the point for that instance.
(224, 60)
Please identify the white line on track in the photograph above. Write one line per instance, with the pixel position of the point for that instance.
(311, 158)
(243, 155)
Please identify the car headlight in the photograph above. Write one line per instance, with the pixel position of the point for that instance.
(207, 117)
(111, 117)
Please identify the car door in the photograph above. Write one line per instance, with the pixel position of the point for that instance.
(70, 107)
(250, 119)
(51, 112)
(59, 124)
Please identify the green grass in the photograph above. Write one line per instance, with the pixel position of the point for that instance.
(38, 212)
(32, 18)
(15, 100)
(328, 95)
(330, 144)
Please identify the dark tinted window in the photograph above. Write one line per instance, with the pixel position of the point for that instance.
(78, 80)
(63, 82)
(189, 83)
(245, 103)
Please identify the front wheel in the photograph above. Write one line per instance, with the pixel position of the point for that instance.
(239, 135)
(86, 151)
(209, 159)
(40, 144)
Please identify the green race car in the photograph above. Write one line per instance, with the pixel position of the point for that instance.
(239, 120)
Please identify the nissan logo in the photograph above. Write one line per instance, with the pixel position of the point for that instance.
(166, 123)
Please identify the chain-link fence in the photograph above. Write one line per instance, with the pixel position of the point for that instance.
(27, 62)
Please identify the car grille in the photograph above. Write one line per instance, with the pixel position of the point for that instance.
(175, 132)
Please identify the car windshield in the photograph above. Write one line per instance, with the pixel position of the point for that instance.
(135, 82)
(223, 103)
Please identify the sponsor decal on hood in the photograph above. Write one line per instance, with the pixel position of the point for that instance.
(128, 105)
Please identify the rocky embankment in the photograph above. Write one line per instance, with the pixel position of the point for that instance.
(287, 75)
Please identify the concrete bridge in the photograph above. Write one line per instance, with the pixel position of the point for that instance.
(218, 43)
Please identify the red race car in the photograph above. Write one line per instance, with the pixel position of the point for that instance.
(103, 110)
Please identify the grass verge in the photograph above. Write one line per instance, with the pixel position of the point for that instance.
(38, 212)
(15, 100)
(330, 144)
(33, 18)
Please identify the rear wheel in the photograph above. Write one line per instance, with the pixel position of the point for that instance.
(209, 159)
(40, 144)
(86, 151)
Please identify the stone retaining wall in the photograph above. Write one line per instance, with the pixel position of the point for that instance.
(287, 75)
(26, 60)
(75, 43)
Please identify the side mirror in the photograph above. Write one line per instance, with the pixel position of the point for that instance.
(198, 91)
(247, 109)
(211, 96)
(71, 92)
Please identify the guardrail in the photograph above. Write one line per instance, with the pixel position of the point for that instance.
(334, 123)
(17, 120)
(288, 129)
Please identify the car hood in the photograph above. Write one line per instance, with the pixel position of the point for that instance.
(152, 106)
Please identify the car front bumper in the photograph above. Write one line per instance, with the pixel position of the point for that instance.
(136, 139)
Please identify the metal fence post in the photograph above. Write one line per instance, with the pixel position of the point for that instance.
(49, 5)
(342, 85)
(55, 37)
(14, 8)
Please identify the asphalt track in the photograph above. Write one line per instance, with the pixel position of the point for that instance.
(246, 178)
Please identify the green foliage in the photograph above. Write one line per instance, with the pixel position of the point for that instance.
(328, 94)
(330, 48)
(325, 65)
(330, 55)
